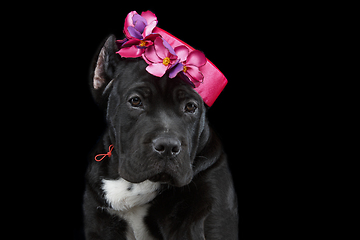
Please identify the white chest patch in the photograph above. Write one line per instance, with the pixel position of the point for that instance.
(129, 201)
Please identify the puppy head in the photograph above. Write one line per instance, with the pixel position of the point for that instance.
(157, 125)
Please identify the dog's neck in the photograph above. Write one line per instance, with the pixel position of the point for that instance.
(130, 201)
(122, 195)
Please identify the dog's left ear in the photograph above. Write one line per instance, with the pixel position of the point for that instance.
(103, 70)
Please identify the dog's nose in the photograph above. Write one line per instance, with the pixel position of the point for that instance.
(167, 146)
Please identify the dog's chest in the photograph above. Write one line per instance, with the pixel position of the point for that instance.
(130, 202)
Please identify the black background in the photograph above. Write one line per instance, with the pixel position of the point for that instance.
(248, 115)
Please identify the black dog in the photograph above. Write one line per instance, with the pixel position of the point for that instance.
(165, 175)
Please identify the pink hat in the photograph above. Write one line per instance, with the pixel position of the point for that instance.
(167, 54)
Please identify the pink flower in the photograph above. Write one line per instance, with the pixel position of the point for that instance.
(157, 52)
(189, 64)
(160, 57)
(138, 31)
(139, 27)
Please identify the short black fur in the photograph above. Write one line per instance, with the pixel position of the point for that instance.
(197, 199)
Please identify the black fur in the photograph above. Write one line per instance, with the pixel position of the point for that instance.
(198, 201)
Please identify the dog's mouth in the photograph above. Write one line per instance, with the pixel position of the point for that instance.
(162, 178)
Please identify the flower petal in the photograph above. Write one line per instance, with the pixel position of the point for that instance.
(139, 23)
(140, 26)
(173, 62)
(182, 52)
(157, 69)
(133, 41)
(160, 49)
(196, 58)
(149, 16)
(119, 43)
(175, 70)
(139, 19)
(168, 47)
(149, 28)
(186, 79)
(129, 22)
(151, 22)
(152, 36)
(130, 52)
(151, 55)
(192, 80)
(197, 84)
(134, 33)
(195, 73)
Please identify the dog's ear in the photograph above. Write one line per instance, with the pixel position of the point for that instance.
(103, 69)
(210, 149)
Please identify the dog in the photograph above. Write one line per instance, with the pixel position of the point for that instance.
(163, 174)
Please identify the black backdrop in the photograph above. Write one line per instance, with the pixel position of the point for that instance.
(233, 38)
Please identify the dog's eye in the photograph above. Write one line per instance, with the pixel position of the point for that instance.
(135, 102)
(190, 107)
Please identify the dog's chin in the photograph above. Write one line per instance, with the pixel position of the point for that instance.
(166, 178)
(162, 178)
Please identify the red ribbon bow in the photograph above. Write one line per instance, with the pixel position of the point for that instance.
(111, 147)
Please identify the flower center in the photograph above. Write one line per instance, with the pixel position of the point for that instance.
(142, 43)
(184, 69)
(166, 61)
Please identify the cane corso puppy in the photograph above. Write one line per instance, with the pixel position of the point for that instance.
(163, 173)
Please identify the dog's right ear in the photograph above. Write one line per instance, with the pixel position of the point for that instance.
(103, 70)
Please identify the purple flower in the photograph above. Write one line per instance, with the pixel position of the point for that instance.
(138, 31)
